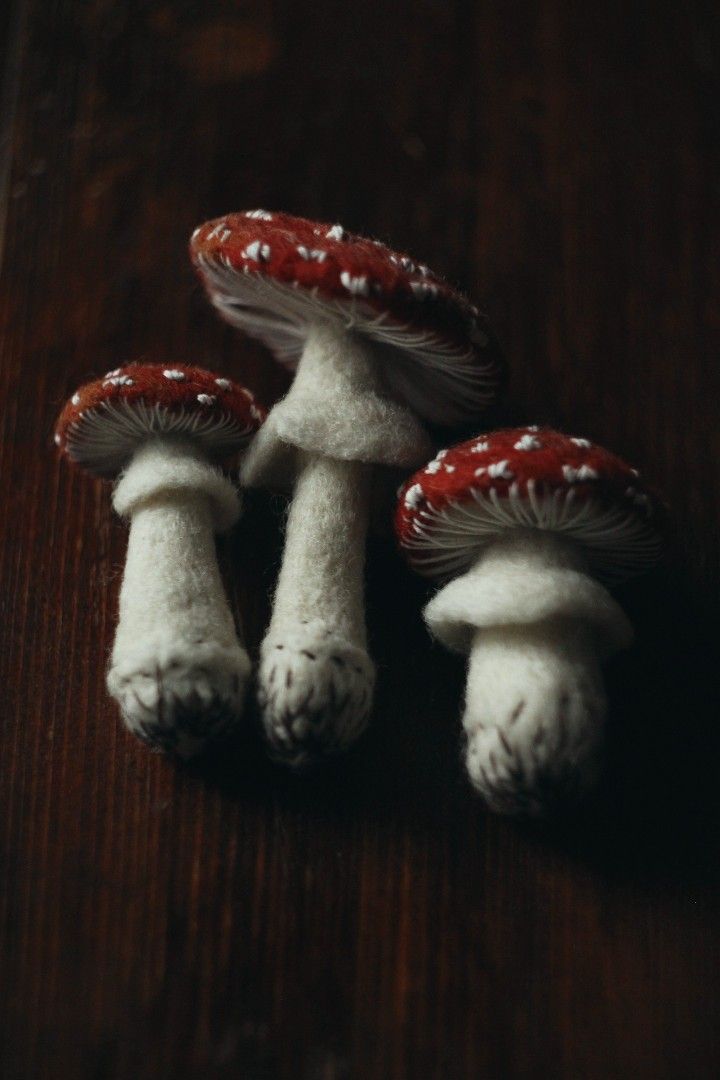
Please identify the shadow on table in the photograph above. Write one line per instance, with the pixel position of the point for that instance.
(656, 815)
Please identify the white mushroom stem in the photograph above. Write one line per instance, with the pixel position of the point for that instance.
(537, 628)
(177, 669)
(316, 679)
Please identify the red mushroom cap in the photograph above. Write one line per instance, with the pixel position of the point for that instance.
(273, 275)
(528, 478)
(105, 421)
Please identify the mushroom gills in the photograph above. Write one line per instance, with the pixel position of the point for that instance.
(536, 627)
(178, 670)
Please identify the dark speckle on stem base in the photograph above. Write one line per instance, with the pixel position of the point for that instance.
(225, 918)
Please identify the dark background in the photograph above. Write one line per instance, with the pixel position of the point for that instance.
(558, 160)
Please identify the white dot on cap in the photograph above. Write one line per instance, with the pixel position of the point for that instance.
(336, 232)
(357, 286)
(257, 251)
(528, 442)
(174, 374)
(75, 399)
(206, 399)
(572, 474)
(501, 471)
(224, 384)
(585, 443)
(414, 497)
(57, 440)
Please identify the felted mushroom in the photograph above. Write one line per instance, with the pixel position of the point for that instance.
(523, 522)
(178, 670)
(379, 344)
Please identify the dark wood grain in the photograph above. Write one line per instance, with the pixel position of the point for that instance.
(558, 160)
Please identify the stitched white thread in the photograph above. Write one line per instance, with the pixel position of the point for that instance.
(174, 375)
(616, 541)
(257, 251)
(224, 384)
(439, 380)
(528, 442)
(480, 447)
(118, 380)
(356, 286)
(584, 443)
(259, 215)
(584, 472)
(206, 399)
(75, 399)
(336, 232)
(500, 470)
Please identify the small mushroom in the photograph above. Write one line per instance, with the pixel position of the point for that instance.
(379, 344)
(524, 521)
(177, 670)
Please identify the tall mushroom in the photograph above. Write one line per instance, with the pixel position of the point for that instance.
(523, 521)
(177, 670)
(379, 344)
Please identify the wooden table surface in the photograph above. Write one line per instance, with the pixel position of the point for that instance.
(560, 162)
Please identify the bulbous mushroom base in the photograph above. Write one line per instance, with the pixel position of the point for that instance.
(180, 697)
(315, 692)
(534, 717)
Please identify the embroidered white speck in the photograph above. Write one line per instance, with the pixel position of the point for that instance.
(335, 233)
(501, 470)
(528, 442)
(75, 399)
(206, 399)
(584, 443)
(572, 475)
(257, 251)
(311, 254)
(433, 467)
(259, 215)
(480, 447)
(358, 286)
(224, 384)
(414, 497)
(57, 439)
(118, 380)
(174, 375)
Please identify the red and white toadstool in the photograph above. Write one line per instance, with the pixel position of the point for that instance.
(523, 521)
(379, 344)
(177, 670)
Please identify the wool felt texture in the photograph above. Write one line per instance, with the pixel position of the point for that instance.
(105, 421)
(375, 339)
(536, 628)
(316, 680)
(534, 715)
(177, 669)
(334, 408)
(521, 520)
(273, 274)
(528, 478)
